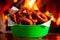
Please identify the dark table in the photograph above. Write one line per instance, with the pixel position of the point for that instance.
(9, 36)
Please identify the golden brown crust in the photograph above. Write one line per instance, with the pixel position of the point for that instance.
(14, 18)
(26, 20)
(30, 17)
(42, 17)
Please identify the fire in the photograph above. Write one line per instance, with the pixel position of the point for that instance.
(58, 20)
(15, 1)
(53, 19)
(47, 12)
(5, 17)
(30, 4)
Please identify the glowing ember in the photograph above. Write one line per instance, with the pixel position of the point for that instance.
(30, 4)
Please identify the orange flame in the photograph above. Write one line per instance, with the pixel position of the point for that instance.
(52, 17)
(31, 4)
(58, 20)
(47, 12)
(15, 1)
(5, 18)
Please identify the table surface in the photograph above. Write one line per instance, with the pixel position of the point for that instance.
(9, 36)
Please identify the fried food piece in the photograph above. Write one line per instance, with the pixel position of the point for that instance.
(30, 17)
(42, 17)
(13, 16)
(33, 18)
(48, 16)
(26, 20)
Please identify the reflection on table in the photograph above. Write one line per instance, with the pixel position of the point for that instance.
(9, 36)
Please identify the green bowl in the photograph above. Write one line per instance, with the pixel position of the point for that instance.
(31, 31)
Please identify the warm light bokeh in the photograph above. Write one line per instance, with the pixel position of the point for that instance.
(15, 1)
